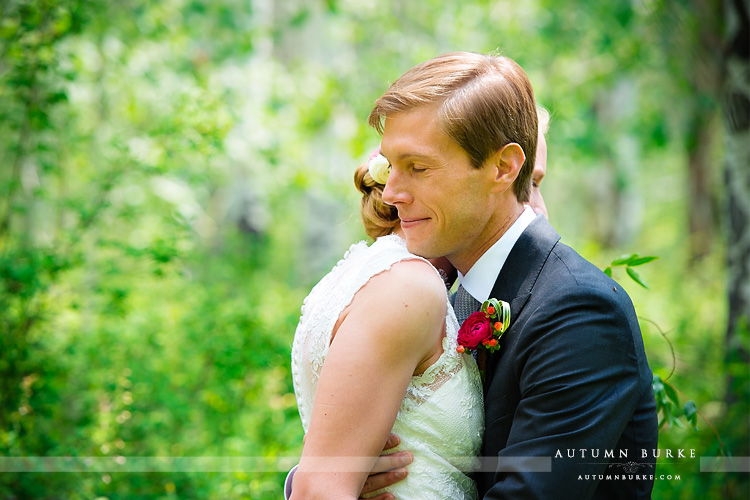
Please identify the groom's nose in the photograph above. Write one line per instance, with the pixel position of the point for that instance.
(395, 191)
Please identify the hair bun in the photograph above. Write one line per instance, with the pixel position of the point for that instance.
(378, 217)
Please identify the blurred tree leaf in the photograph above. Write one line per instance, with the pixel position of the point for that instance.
(636, 277)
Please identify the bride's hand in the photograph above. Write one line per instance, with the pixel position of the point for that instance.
(388, 469)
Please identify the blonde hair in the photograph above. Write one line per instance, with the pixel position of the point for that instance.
(544, 118)
(485, 102)
(378, 217)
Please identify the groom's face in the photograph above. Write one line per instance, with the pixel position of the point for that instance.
(442, 200)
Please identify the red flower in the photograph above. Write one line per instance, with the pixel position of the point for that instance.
(490, 310)
(460, 348)
(474, 330)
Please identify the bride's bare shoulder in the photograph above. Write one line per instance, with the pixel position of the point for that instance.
(408, 294)
(406, 300)
(408, 280)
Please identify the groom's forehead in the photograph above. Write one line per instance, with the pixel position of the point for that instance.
(416, 135)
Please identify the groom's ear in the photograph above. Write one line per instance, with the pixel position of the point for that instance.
(506, 164)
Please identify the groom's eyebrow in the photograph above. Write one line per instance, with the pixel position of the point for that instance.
(413, 155)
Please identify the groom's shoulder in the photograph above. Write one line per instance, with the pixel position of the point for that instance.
(561, 275)
(576, 265)
(571, 290)
(561, 266)
(568, 271)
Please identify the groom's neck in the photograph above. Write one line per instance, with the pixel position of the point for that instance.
(494, 230)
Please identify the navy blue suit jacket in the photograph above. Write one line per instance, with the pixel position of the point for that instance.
(571, 374)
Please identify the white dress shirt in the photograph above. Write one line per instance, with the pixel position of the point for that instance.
(482, 276)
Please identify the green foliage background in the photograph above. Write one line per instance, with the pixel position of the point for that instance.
(176, 175)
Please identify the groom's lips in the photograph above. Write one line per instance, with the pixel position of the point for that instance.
(409, 223)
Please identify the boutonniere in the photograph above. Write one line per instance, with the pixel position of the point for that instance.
(484, 328)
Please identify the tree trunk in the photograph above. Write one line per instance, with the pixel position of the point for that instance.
(701, 214)
(736, 114)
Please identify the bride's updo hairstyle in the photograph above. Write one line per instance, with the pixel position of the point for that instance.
(378, 217)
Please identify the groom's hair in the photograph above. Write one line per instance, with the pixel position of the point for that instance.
(484, 102)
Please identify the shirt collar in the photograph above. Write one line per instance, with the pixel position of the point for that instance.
(482, 276)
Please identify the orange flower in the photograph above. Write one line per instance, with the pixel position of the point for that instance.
(490, 310)
(460, 348)
(498, 325)
(492, 342)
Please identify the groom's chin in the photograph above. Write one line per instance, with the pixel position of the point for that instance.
(411, 244)
(418, 247)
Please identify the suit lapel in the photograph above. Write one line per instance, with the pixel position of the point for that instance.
(521, 270)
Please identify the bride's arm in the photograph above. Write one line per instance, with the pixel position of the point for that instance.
(394, 324)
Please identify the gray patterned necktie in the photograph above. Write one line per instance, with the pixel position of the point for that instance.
(464, 304)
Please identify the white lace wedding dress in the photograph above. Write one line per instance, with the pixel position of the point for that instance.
(441, 419)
